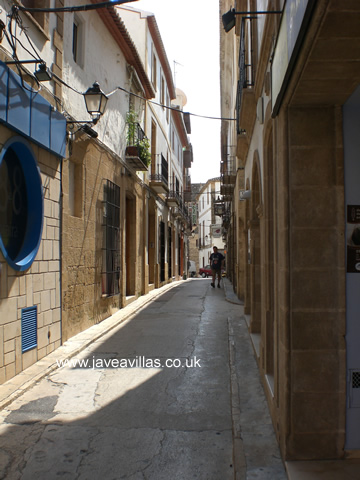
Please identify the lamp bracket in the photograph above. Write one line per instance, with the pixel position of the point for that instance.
(92, 122)
(267, 12)
(16, 62)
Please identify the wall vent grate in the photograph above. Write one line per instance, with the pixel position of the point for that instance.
(28, 328)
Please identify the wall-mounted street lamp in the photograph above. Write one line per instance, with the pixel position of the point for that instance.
(95, 98)
(43, 74)
(229, 18)
(95, 101)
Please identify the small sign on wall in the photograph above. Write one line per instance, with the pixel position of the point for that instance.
(353, 238)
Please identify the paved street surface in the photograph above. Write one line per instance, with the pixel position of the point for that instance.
(170, 392)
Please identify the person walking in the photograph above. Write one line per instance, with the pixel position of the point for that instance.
(216, 263)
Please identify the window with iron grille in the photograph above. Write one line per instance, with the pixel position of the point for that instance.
(111, 232)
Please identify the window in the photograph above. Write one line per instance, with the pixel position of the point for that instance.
(75, 41)
(77, 33)
(21, 204)
(111, 236)
(154, 70)
(162, 91)
(168, 105)
(41, 18)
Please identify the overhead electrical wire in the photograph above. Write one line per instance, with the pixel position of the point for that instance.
(77, 8)
(175, 109)
(14, 15)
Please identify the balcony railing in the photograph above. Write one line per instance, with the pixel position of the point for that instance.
(227, 191)
(228, 171)
(173, 197)
(188, 156)
(137, 152)
(159, 176)
(245, 72)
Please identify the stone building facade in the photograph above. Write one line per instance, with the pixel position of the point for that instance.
(125, 222)
(86, 225)
(292, 205)
(32, 146)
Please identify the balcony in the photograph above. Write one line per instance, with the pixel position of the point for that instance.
(187, 188)
(159, 176)
(188, 156)
(137, 153)
(173, 198)
(226, 191)
(181, 211)
(228, 170)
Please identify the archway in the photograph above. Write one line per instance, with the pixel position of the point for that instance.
(269, 257)
(255, 251)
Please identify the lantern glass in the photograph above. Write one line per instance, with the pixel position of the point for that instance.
(95, 100)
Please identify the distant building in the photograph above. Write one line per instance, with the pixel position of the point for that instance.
(209, 228)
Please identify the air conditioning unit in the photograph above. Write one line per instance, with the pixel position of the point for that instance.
(244, 195)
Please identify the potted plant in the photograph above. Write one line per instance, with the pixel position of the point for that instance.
(144, 151)
(138, 144)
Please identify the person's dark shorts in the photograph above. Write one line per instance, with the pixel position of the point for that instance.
(216, 271)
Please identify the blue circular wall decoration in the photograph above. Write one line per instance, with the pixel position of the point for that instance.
(21, 204)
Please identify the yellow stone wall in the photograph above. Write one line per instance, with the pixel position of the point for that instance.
(39, 285)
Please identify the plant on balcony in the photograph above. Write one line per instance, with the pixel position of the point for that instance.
(137, 143)
(131, 124)
(144, 151)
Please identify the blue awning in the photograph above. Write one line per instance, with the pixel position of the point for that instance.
(27, 112)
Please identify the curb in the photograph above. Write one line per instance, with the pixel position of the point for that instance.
(230, 295)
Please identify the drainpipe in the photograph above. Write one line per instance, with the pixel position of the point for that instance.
(60, 243)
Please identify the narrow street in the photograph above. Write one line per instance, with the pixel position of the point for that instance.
(157, 397)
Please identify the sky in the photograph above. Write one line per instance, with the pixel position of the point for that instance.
(190, 33)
